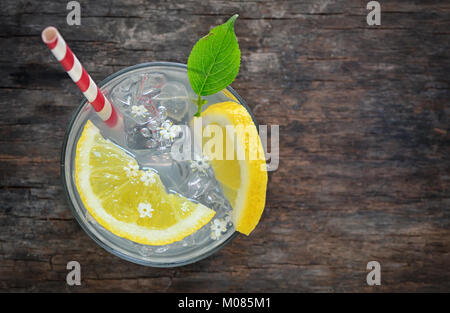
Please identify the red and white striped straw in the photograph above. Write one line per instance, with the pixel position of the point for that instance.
(76, 71)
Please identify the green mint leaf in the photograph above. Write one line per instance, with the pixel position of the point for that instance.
(214, 60)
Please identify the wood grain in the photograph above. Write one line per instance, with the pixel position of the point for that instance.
(364, 169)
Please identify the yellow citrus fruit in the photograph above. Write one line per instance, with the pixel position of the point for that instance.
(130, 202)
(243, 172)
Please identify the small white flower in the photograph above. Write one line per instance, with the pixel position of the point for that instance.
(132, 169)
(148, 177)
(169, 131)
(218, 227)
(145, 210)
(139, 110)
(200, 165)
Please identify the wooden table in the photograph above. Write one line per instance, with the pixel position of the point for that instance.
(364, 169)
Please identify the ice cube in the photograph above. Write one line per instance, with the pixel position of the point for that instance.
(143, 136)
(146, 132)
(174, 97)
(196, 185)
(123, 98)
(213, 199)
(153, 124)
(150, 84)
(135, 139)
(162, 113)
(134, 96)
(122, 95)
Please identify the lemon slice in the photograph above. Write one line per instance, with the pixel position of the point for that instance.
(243, 176)
(127, 201)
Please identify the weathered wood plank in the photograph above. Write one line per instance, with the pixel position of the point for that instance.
(364, 142)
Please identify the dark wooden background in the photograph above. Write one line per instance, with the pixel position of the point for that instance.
(364, 168)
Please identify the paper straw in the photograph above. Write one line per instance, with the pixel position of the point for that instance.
(76, 71)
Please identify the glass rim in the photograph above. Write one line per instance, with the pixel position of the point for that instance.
(65, 183)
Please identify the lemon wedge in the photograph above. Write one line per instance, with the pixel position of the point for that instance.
(130, 202)
(243, 176)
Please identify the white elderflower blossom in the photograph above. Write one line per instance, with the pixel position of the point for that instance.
(132, 169)
(148, 178)
(139, 110)
(218, 227)
(169, 131)
(200, 165)
(145, 210)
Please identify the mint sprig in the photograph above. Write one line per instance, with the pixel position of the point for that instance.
(214, 61)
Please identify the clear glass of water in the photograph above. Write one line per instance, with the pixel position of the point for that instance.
(163, 88)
